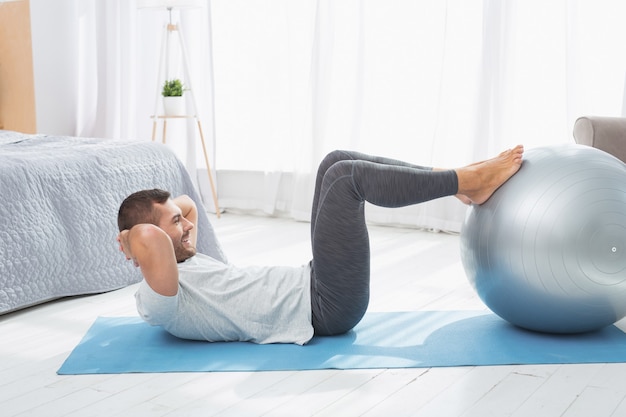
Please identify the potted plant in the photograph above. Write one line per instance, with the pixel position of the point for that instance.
(173, 101)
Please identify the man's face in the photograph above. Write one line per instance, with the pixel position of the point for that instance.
(177, 227)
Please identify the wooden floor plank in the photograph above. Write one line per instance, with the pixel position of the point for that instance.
(372, 393)
(418, 392)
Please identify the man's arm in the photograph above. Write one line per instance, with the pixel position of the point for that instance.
(152, 251)
(190, 212)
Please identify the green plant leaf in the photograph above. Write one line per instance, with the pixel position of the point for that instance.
(172, 88)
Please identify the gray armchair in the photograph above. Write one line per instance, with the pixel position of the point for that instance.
(605, 133)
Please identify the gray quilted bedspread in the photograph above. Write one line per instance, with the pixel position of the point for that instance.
(58, 213)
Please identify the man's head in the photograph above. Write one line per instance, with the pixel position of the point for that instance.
(140, 208)
(157, 208)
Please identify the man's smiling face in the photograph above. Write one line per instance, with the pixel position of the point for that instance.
(177, 227)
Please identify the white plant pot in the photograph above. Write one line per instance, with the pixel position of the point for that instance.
(174, 106)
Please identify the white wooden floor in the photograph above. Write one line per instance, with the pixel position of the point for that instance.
(412, 270)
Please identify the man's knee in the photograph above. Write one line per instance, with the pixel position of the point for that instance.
(333, 157)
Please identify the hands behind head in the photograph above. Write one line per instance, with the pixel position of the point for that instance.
(122, 239)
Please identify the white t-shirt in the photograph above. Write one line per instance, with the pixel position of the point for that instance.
(222, 302)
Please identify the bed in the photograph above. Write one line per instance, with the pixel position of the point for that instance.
(58, 213)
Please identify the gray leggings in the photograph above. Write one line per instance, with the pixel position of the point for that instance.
(340, 278)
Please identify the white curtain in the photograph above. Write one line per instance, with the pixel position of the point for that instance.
(105, 92)
(435, 82)
(281, 83)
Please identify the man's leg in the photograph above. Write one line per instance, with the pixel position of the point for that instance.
(340, 279)
(341, 263)
(337, 156)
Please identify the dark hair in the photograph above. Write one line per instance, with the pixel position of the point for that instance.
(139, 208)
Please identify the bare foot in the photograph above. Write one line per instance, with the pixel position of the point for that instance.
(478, 181)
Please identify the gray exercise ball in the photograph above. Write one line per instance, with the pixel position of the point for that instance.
(547, 251)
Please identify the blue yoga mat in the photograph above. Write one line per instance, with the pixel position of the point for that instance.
(381, 340)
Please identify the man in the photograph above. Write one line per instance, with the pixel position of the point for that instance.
(197, 297)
